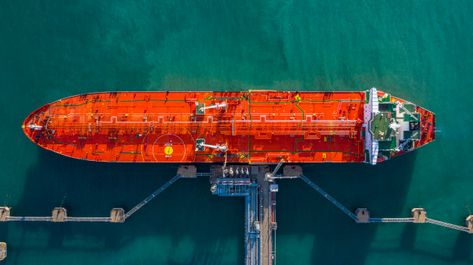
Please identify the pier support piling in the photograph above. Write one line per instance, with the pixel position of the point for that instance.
(362, 215)
(4, 213)
(117, 215)
(59, 214)
(469, 224)
(292, 171)
(187, 171)
(3, 251)
(419, 215)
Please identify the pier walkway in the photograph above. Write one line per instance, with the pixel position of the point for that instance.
(51, 219)
(328, 197)
(59, 214)
(260, 202)
(448, 225)
(152, 196)
(362, 215)
(266, 217)
(257, 185)
(391, 220)
(244, 187)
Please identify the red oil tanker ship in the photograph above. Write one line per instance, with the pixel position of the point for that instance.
(236, 127)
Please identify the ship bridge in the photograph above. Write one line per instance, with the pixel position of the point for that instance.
(394, 126)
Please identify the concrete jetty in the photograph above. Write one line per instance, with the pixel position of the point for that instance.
(4, 213)
(292, 171)
(3, 251)
(187, 171)
(469, 223)
(265, 217)
(362, 215)
(259, 192)
(258, 185)
(59, 214)
(117, 215)
(419, 215)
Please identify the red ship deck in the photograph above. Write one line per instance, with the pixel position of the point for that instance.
(256, 126)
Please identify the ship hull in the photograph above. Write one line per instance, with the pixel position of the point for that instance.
(209, 127)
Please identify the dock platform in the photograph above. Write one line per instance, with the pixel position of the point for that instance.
(362, 215)
(257, 185)
(3, 251)
(260, 203)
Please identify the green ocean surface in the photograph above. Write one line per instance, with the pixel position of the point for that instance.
(421, 51)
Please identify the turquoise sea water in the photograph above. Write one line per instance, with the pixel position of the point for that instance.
(418, 50)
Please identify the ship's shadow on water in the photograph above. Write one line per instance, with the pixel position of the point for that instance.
(336, 238)
(463, 248)
(185, 211)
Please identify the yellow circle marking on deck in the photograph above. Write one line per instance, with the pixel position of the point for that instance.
(168, 150)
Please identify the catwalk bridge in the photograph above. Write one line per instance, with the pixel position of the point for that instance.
(257, 185)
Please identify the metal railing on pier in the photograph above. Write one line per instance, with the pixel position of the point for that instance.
(50, 219)
(391, 220)
(447, 225)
